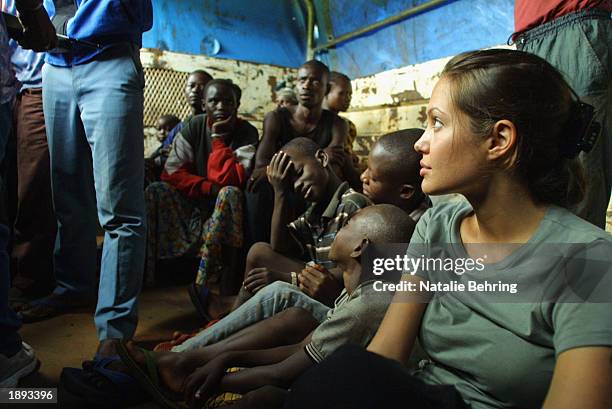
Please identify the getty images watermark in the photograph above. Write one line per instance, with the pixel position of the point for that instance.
(493, 273)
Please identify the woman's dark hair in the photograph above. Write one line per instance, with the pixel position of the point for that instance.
(491, 85)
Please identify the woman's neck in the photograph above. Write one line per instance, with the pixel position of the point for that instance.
(504, 213)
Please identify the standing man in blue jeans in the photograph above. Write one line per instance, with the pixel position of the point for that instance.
(16, 357)
(93, 105)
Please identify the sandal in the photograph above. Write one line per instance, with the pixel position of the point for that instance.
(149, 378)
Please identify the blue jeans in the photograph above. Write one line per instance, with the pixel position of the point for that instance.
(10, 342)
(267, 302)
(94, 118)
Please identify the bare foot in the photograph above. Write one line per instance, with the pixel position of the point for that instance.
(172, 367)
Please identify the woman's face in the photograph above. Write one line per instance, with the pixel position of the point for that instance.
(454, 160)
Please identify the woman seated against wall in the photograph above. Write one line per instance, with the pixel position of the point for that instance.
(197, 209)
(504, 130)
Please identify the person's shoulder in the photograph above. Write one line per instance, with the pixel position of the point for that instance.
(194, 127)
(352, 197)
(438, 222)
(194, 124)
(564, 226)
(444, 209)
(366, 298)
(246, 126)
(329, 116)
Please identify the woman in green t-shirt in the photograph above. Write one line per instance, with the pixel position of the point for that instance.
(504, 129)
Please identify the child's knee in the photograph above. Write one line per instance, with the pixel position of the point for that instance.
(258, 254)
(230, 192)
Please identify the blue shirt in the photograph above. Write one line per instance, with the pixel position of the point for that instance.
(26, 63)
(105, 22)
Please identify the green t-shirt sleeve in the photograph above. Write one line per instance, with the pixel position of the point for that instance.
(582, 313)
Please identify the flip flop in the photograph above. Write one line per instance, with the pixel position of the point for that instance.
(198, 299)
(99, 386)
(149, 378)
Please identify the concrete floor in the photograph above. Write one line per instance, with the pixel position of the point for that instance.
(67, 340)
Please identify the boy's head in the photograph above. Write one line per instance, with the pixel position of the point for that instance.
(220, 99)
(377, 224)
(285, 98)
(311, 172)
(312, 83)
(165, 124)
(340, 92)
(393, 170)
(194, 88)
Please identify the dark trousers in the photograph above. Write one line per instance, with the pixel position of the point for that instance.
(35, 224)
(10, 342)
(579, 45)
(353, 378)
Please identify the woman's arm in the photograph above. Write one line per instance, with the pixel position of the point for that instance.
(582, 379)
(397, 332)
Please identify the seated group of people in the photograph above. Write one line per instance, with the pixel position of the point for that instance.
(307, 327)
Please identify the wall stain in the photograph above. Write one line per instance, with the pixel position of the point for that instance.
(272, 83)
(406, 96)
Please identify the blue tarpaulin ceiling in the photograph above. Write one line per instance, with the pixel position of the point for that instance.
(274, 31)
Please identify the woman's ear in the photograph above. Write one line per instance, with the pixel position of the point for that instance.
(360, 248)
(503, 143)
(322, 157)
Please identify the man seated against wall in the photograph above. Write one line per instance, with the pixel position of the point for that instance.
(337, 100)
(194, 95)
(198, 208)
(275, 351)
(308, 119)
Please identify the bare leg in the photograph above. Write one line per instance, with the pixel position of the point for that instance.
(262, 255)
(288, 327)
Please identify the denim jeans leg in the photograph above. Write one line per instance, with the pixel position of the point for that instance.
(10, 342)
(73, 193)
(269, 301)
(110, 96)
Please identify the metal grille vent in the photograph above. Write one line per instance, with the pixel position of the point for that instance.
(164, 94)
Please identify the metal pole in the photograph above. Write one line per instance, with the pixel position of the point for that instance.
(390, 20)
(310, 52)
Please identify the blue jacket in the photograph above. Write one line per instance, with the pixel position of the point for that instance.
(105, 22)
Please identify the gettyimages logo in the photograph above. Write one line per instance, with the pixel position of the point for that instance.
(500, 273)
(410, 264)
